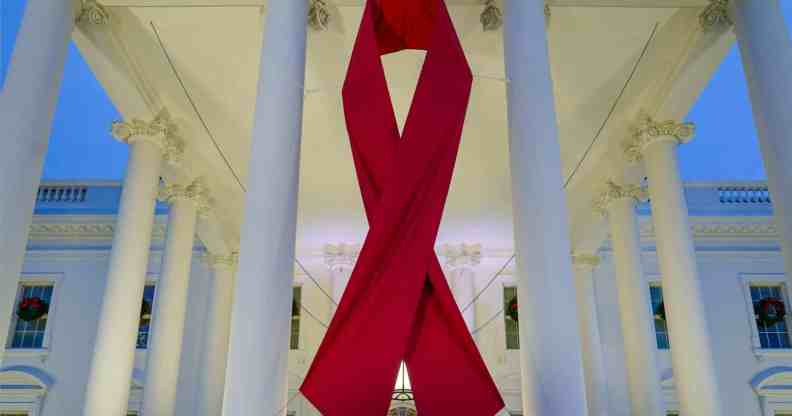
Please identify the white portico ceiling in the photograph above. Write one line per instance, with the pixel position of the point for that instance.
(594, 46)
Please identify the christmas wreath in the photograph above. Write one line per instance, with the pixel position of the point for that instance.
(659, 312)
(145, 313)
(512, 310)
(32, 308)
(770, 311)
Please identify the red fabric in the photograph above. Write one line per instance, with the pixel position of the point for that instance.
(397, 305)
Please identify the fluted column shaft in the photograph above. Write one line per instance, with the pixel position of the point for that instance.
(170, 306)
(107, 392)
(256, 375)
(593, 361)
(550, 354)
(766, 52)
(27, 104)
(216, 335)
(691, 343)
(640, 344)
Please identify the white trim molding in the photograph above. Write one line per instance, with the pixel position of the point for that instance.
(773, 386)
(23, 388)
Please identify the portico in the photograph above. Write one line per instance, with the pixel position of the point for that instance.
(557, 116)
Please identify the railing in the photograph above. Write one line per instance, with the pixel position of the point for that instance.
(73, 194)
(744, 194)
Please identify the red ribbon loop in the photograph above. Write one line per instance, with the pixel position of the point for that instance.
(398, 305)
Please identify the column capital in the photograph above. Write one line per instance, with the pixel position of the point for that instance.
(492, 16)
(195, 191)
(461, 255)
(648, 131)
(91, 12)
(160, 131)
(585, 261)
(341, 254)
(614, 192)
(318, 15)
(222, 260)
(716, 15)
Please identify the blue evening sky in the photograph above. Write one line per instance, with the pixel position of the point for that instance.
(725, 147)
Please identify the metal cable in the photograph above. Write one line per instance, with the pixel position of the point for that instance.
(495, 276)
(296, 260)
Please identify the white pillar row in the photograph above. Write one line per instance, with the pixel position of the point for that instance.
(216, 334)
(170, 306)
(593, 360)
(256, 376)
(617, 202)
(107, 391)
(340, 259)
(766, 52)
(550, 354)
(460, 263)
(27, 104)
(689, 332)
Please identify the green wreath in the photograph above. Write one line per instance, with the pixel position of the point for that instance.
(770, 311)
(145, 313)
(512, 310)
(659, 312)
(32, 309)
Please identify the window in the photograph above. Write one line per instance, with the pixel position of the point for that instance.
(145, 317)
(512, 325)
(30, 334)
(294, 340)
(775, 335)
(661, 329)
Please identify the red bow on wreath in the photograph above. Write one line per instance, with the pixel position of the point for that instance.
(32, 308)
(770, 311)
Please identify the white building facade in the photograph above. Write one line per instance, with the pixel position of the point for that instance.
(232, 113)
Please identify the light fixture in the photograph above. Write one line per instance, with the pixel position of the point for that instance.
(403, 390)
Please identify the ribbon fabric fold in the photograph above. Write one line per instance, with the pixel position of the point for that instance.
(397, 305)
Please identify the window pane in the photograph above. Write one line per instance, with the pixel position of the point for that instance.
(294, 340)
(30, 334)
(145, 324)
(773, 336)
(512, 326)
(661, 329)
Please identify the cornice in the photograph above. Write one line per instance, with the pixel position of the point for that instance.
(318, 15)
(81, 231)
(648, 130)
(717, 228)
(161, 131)
(614, 192)
(716, 16)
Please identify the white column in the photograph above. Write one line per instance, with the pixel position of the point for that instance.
(593, 361)
(217, 330)
(170, 305)
(766, 52)
(340, 259)
(550, 355)
(27, 103)
(635, 307)
(107, 392)
(256, 375)
(460, 262)
(691, 344)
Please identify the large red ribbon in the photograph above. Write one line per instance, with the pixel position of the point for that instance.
(397, 305)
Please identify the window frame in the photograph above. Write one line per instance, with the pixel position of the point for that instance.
(657, 281)
(504, 287)
(34, 279)
(295, 287)
(151, 280)
(778, 280)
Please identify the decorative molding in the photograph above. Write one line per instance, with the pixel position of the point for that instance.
(215, 260)
(196, 192)
(81, 231)
(716, 15)
(615, 192)
(585, 261)
(648, 130)
(318, 15)
(461, 255)
(492, 16)
(160, 131)
(341, 255)
(724, 229)
(91, 12)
